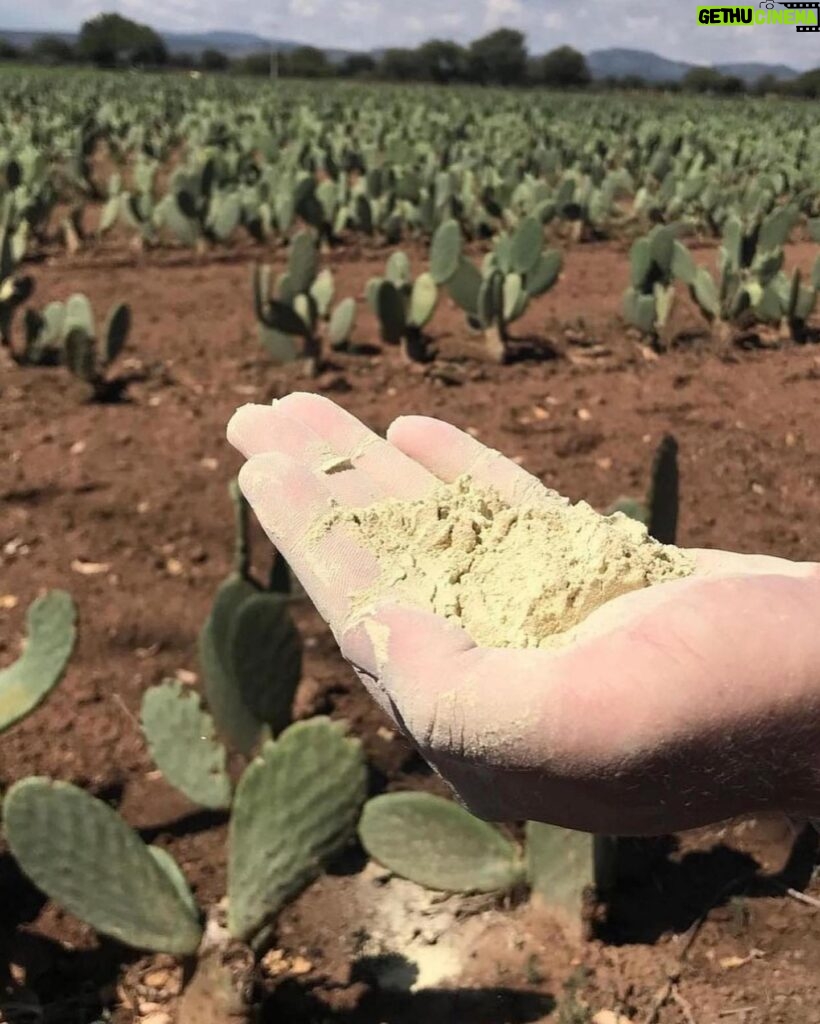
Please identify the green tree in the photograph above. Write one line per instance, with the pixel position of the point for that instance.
(564, 68)
(256, 64)
(399, 65)
(109, 40)
(807, 84)
(52, 50)
(357, 65)
(499, 58)
(702, 79)
(214, 60)
(8, 51)
(306, 62)
(441, 61)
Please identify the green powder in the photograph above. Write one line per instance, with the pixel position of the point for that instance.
(511, 577)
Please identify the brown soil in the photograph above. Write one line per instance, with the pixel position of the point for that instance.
(139, 489)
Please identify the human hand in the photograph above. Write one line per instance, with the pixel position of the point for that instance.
(673, 707)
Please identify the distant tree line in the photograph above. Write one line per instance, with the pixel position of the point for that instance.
(499, 58)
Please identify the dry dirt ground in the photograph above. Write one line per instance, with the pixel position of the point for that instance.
(139, 489)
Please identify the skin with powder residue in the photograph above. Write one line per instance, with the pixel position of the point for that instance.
(511, 577)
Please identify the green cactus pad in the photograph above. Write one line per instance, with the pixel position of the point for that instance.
(664, 493)
(391, 313)
(116, 332)
(560, 866)
(185, 229)
(280, 347)
(438, 844)
(305, 307)
(341, 323)
(640, 260)
(322, 291)
(423, 300)
(80, 354)
(51, 625)
(526, 246)
(303, 261)
(265, 658)
(776, 228)
(664, 303)
(225, 216)
(683, 267)
(234, 721)
(767, 304)
(445, 251)
(544, 274)
(296, 806)
(706, 294)
(513, 292)
(465, 285)
(83, 855)
(371, 292)
(78, 313)
(181, 739)
(398, 270)
(177, 878)
(662, 248)
(285, 319)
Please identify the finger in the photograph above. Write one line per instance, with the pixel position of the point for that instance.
(397, 475)
(257, 429)
(449, 453)
(290, 501)
(728, 563)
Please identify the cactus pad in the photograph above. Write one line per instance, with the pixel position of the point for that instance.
(438, 844)
(181, 739)
(295, 807)
(342, 321)
(560, 866)
(84, 856)
(445, 251)
(526, 246)
(51, 635)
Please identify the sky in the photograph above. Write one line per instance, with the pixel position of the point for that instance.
(667, 27)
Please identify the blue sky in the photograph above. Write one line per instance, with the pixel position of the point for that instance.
(666, 26)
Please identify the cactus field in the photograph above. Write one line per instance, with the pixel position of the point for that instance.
(205, 818)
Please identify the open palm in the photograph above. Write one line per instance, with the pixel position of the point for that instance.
(672, 707)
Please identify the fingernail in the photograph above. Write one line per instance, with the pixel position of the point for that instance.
(365, 645)
(252, 480)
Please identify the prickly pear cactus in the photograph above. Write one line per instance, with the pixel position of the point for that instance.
(84, 857)
(660, 511)
(561, 868)
(181, 739)
(250, 651)
(295, 807)
(445, 252)
(438, 844)
(51, 634)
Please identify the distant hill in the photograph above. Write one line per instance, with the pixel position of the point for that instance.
(652, 68)
(752, 72)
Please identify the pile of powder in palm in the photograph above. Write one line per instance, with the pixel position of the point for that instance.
(511, 577)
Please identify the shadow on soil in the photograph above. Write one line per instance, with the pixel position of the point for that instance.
(293, 1003)
(62, 986)
(662, 894)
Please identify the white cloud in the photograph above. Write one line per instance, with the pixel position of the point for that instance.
(502, 12)
(304, 8)
(360, 10)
